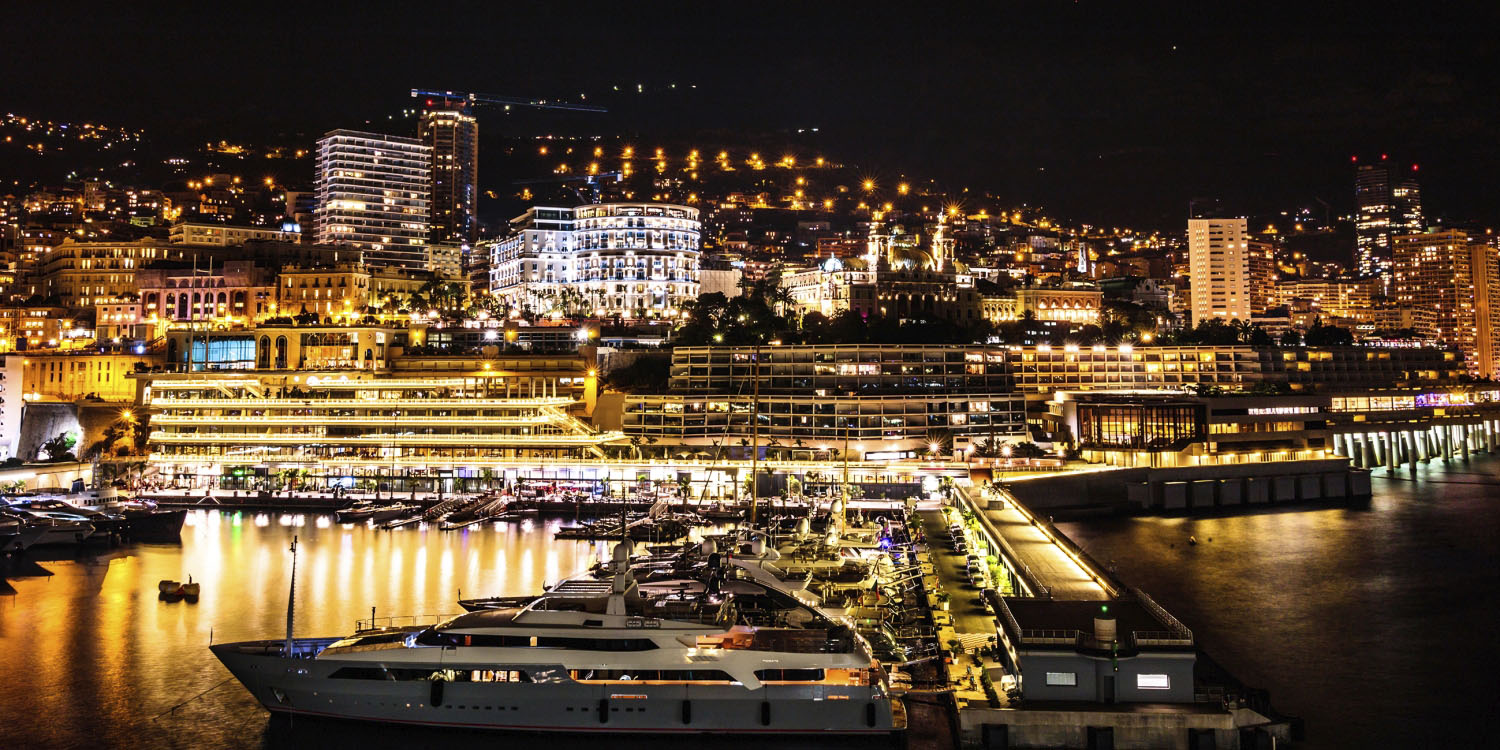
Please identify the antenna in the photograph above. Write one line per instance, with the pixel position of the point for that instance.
(291, 600)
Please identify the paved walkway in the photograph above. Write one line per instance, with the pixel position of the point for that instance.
(968, 620)
(1049, 562)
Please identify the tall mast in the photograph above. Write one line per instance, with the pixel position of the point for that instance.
(844, 485)
(291, 601)
(755, 437)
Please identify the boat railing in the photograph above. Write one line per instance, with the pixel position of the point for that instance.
(401, 621)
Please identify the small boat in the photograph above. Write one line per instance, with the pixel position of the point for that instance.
(369, 510)
(172, 591)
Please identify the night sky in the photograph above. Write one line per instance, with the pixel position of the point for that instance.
(1102, 112)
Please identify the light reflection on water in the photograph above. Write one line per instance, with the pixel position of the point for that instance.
(1373, 623)
(89, 654)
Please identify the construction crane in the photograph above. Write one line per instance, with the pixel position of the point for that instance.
(472, 100)
(587, 193)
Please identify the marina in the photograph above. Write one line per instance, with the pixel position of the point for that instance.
(870, 588)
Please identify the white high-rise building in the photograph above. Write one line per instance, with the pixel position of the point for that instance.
(374, 192)
(635, 260)
(1219, 268)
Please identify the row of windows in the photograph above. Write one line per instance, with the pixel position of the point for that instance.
(439, 638)
(1142, 681)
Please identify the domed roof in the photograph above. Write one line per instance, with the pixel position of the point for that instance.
(909, 258)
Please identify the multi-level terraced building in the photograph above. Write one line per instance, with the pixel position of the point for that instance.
(247, 430)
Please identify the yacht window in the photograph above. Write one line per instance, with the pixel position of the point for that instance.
(597, 644)
(652, 675)
(789, 675)
(498, 675)
(436, 638)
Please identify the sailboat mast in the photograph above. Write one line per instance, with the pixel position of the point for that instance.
(291, 601)
(755, 437)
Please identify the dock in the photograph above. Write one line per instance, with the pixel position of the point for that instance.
(1041, 606)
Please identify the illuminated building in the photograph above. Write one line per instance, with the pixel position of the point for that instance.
(432, 432)
(1458, 278)
(79, 274)
(118, 319)
(874, 401)
(635, 260)
(1260, 275)
(12, 401)
(1069, 303)
(1218, 268)
(1388, 203)
(894, 278)
(26, 327)
(1043, 369)
(224, 235)
(343, 288)
(238, 290)
(1333, 299)
(446, 259)
(452, 135)
(78, 375)
(374, 192)
(285, 346)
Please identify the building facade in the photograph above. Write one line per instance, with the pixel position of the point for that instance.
(1260, 275)
(80, 375)
(635, 260)
(1044, 369)
(427, 432)
(374, 192)
(342, 288)
(1219, 270)
(239, 291)
(452, 136)
(1388, 203)
(869, 402)
(224, 235)
(1458, 278)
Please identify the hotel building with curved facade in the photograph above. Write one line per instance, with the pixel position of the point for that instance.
(635, 260)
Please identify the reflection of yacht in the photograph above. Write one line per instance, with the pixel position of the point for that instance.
(10, 532)
(592, 655)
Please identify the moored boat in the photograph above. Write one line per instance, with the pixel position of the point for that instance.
(592, 655)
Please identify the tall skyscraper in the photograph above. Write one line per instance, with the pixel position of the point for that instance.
(1457, 277)
(1219, 269)
(453, 135)
(374, 192)
(1389, 203)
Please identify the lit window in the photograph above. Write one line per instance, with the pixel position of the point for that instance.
(1153, 682)
(1069, 679)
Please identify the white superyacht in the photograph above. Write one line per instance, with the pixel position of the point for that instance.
(579, 658)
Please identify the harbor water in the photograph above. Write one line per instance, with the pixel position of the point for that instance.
(1373, 623)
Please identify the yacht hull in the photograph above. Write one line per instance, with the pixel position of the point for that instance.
(304, 686)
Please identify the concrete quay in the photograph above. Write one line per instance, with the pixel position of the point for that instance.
(1189, 489)
(1049, 572)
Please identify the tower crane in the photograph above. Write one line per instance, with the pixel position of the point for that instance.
(587, 193)
(471, 100)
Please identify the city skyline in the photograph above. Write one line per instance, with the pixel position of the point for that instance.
(1116, 130)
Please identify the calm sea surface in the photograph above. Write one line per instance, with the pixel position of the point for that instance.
(1375, 624)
